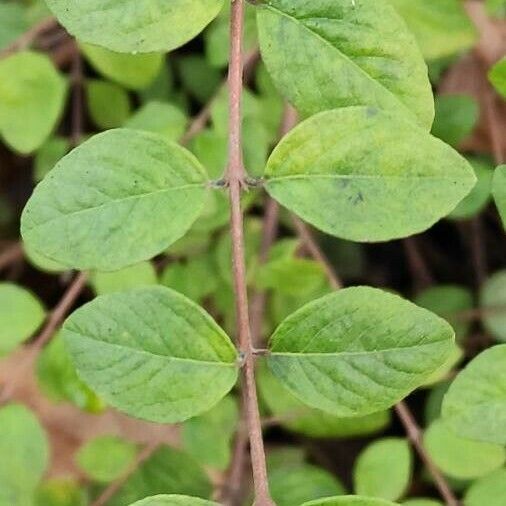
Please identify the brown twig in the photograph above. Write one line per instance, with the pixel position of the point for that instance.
(417, 265)
(11, 254)
(114, 486)
(235, 177)
(53, 322)
(315, 251)
(231, 494)
(414, 434)
(489, 49)
(269, 233)
(29, 37)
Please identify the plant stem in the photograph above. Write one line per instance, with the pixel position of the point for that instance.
(419, 270)
(415, 436)
(235, 178)
(11, 254)
(315, 251)
(114, 486)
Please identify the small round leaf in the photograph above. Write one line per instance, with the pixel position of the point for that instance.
(475, 404)
(383, 469)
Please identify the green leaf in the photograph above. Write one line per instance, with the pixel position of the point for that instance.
(208, 437)
(133, 71)
(106, 458)
(173, 500)
(200, 79)
(162, 87)
(160, 118)
(333, 170)
(493, 305)
(445, 371)
(384, 469)
(499, 191)
(489, 491)
(496, 8)
(24, 455)
(57, 378)
(183, 277)
(480, 195)
(60, 492)
(167, 471)
(142, 26)
(141, 274)
(449, 302)
(108, 104)
(326, 54)
(13, 23)
(48, 155)
(350, 500)
(456, 117)
(21, 314)
(32, 96)
(459, 457)
(297, 417)
(121, 197)
(475, 404)
(497, 76)
(293, 485)
(358, 350)
(434, 401)
(152, 353)
(41, 262)
(292, 276)
(442, 28)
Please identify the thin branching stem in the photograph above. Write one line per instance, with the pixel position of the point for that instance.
(235, 178)
(114, 486)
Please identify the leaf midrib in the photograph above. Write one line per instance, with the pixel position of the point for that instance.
(357, 353)
(155, 355)
(443, 177)
(344, 56)
(139, 196)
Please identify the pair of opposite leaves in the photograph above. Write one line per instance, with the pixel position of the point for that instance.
(179, 500)
(361, 172)
(125, 196)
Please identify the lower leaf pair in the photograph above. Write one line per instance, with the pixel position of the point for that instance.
(156, 355)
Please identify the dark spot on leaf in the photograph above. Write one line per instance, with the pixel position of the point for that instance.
(371, 112)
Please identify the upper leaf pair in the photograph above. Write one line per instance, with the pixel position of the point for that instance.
(157, 355)
(367, 169)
